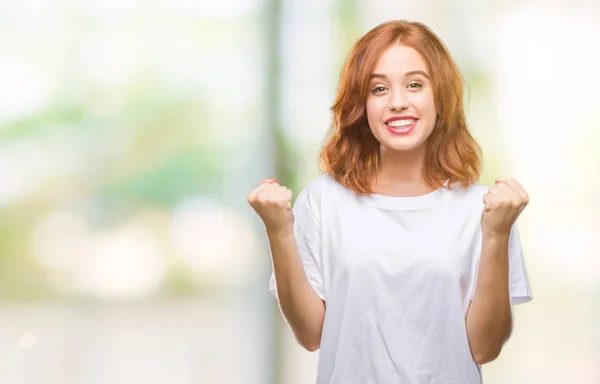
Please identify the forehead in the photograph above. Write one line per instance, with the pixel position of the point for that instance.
(399, 59)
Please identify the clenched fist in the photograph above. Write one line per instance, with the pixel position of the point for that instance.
(273, 203)
(503, 204)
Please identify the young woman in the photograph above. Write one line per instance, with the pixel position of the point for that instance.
(395, 262)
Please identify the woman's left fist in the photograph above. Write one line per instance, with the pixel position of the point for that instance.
(503, 204)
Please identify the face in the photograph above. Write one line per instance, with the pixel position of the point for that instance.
(400, 105)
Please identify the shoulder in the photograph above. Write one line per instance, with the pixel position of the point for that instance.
(323, 183)
(471, 195)
(477, 190)
(320, 188)
(473, 189)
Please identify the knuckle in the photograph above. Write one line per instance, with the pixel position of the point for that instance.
(270, 200)
(262, 200)
(277, 201)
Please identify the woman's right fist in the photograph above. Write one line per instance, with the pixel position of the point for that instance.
(273, 203)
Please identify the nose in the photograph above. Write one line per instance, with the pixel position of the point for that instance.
(398, 100)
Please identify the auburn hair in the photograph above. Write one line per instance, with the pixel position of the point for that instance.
(351, 152)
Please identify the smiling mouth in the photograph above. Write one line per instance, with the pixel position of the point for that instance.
(401, 127)
(401, 123)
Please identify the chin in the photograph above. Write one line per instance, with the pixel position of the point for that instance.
(403, 143)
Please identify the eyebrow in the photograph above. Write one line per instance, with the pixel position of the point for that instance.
(417, 72)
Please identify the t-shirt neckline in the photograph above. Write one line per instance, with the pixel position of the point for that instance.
(412, 202)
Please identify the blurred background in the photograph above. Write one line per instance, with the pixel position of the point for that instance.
(131, 132)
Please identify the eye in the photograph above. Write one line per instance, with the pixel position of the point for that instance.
(378, 89)
(415, 85)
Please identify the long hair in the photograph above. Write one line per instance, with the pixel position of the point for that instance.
(351, 152)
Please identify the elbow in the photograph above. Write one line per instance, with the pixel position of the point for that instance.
(486, 347)
(484, 357)
(311, 344)
(311, 347)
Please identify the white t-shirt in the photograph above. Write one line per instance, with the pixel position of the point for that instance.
(397, 275)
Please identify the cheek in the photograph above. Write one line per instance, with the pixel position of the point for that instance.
(426, 106)
(431, 106)
(431, 114)
(374, 110)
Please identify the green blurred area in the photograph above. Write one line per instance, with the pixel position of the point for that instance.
(147, 143)
(148, 151)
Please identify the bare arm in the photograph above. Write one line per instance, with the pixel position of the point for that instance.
(300, 305)
(489, 318)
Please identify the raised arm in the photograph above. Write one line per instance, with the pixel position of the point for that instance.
(300, 305)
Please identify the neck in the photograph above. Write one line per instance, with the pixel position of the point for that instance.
(401, 173)
(402, 166)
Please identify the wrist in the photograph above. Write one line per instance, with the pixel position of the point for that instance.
(282, 233)
(496, 237)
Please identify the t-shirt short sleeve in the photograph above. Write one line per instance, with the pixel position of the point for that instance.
(307, 233)
(518, 280)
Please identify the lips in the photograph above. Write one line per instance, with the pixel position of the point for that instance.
(395, 119)
(401, 125)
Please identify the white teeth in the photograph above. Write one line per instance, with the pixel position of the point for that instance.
(401, 123)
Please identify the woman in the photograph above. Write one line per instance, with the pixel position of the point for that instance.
(395, 262)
